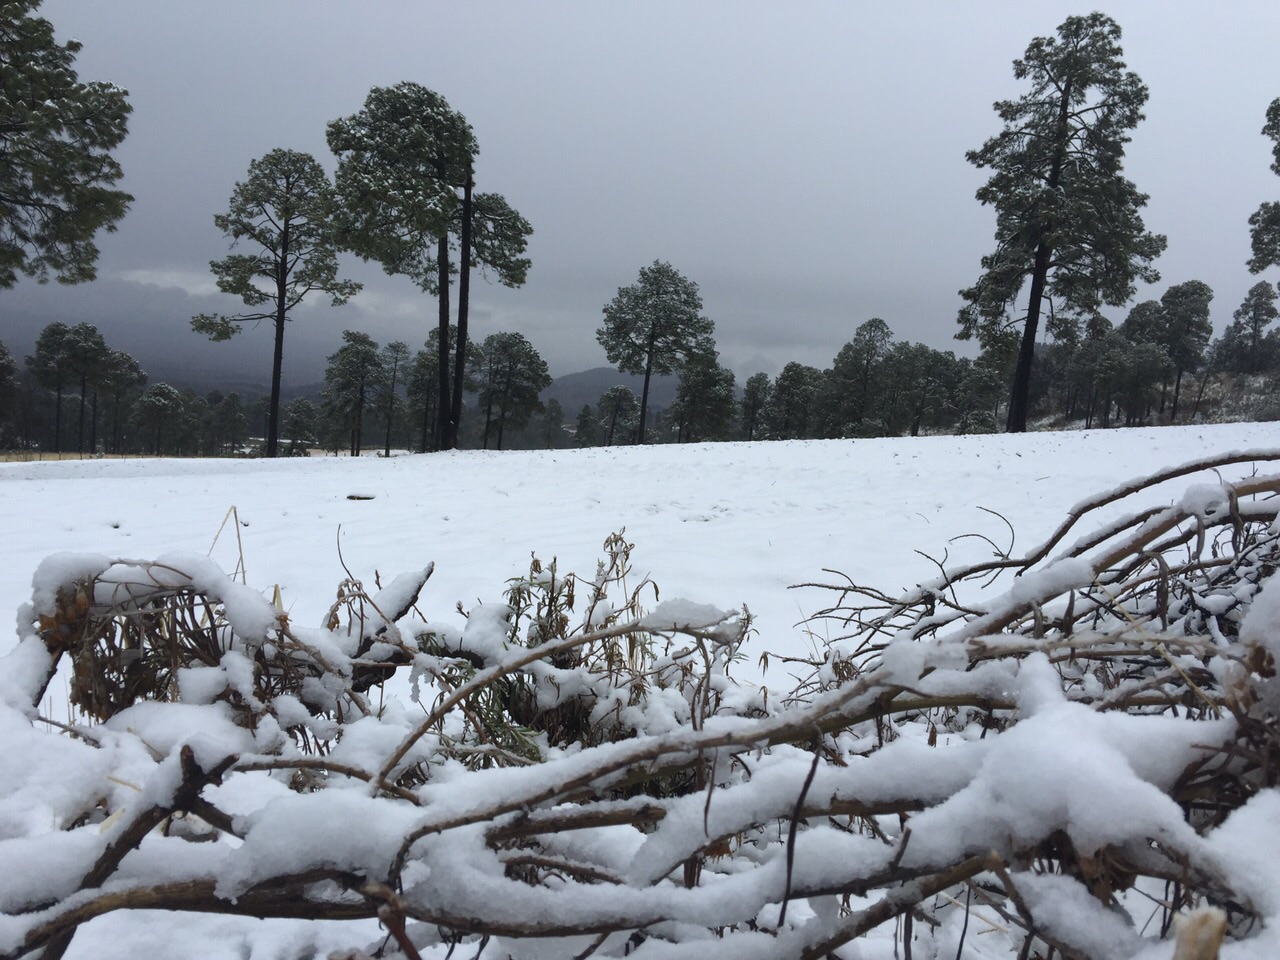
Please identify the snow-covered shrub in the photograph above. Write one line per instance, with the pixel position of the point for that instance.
(1055, 753)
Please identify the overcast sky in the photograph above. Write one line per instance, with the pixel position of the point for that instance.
(803, 163)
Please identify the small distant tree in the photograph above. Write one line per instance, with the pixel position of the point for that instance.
(755, 395)
(1067, 220)
(122, 380)
(159, 406)
(1245, 346)
(553, 434)
(86, 354)
(394, 356)
(792, 410)
(513, 375)
(8, 394)
(654, 326)
(850, 384)
(353, 375)
(283, 210)
(230, 424)
(1187, 330)
(705, 401)
(301, 420)
(616, 412)
(51, 367)
(586, 427)
(56, 138)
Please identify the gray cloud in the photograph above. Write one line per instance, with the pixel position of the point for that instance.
(805, 165)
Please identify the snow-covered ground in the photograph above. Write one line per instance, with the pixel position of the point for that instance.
(725, 524)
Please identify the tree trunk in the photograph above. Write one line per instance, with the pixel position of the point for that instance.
(1019, 397)
(1177, 391)
(84, 387)
(1200, 394)
(391, 406)
(277, 359)
(504, 408)
(57, 421)
(644, 393)
(464, 305)
(357, 436)
(444, 433)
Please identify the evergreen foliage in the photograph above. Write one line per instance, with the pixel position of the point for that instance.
(1245, 346)
(1264, 224)
(513, 374)
(402, 161)
(1187, 329)
(792, 408)
(705, 400)
(56, 134)
(616, 416)
(284, 211)
(755, 396)
(654, 326)
(1067, 220)
(354, 375)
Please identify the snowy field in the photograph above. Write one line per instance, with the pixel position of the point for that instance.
(725, 524)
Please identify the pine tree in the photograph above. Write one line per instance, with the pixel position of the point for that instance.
(354, 373)
(792, 410)
(616, 412)
(86, 355)
(755, 395)
(1067, 220)
(493, 237)
(51, 367)
(8, 393)
(587, 428)
(394, 357)
(401, 163)
(122, 379)
(159, 405)
(1187, 330)
(283, 210)
(1245, 344)
(704, 404)
(301, 420)
(514, 373)
(56, 134)
(849, 384)
(1264, 224)
(654, 326)
(553, 433)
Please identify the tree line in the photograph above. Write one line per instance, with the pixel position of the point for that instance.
(1069, 241)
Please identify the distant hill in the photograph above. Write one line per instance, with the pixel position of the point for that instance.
(576, 389)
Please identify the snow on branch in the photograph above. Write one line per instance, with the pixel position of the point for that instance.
(1058, 753)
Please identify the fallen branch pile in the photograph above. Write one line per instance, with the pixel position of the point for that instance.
(1053, 754)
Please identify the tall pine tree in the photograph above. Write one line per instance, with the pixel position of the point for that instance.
(654, 326)
(56, 133)
(282, 212)
(1067, 220)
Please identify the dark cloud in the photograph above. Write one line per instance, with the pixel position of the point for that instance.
(805, 165)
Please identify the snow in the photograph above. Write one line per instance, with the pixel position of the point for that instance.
(717, 528)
